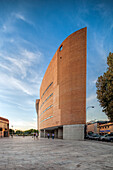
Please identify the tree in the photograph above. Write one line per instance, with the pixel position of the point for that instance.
(11, 131)
(104, 91)
(31, 131)
(19, 132)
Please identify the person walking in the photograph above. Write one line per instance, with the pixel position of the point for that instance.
(48, 135)
(53, 135)
(36, 135)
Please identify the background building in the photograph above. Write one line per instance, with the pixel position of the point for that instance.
(94, 127)
(4, 127)
(100, 127)
(106, 128)
(62, 106)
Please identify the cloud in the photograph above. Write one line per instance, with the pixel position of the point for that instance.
(18, 65)
(93, 97)
(21, 63)
(31, 55)
(13, 83)
(34, 119)
(10, 101)
(92, 84)
(111, 27)
(104, 9)
(23, 125)
(4, 28)
(19, 16)
(82, 22)
(94, 81)
(98, 42)
(5, 67)
(22, 17)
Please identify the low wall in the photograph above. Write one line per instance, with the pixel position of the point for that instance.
(75, 132)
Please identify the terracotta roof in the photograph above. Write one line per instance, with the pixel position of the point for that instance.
(107, 124)
(1, 118)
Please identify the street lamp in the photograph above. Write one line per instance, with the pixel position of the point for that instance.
(12, 131)
(87, 116)
(89, 107)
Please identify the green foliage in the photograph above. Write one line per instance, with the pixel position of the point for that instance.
(31, 131)
(11, 131)
(26, 132)
(105, 89)
(19, 132)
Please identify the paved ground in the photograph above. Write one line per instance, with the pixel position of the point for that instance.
(27, 153)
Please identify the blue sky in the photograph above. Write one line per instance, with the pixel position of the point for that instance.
(30, 33)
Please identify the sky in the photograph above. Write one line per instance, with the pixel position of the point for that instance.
(31, 31)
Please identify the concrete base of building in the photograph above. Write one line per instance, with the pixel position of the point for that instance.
(60, 133)
(75, 132)
(41, 134)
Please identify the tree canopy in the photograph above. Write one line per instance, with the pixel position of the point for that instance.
(26, 132)
(104, 91)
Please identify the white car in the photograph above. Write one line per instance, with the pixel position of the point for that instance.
(103, 137)
(107, 137)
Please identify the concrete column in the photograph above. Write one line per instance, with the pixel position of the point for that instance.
(41, 135)
(56, 133)
(44, 133)
(60, 133)
(75, 132)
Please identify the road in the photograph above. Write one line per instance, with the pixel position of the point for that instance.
(47, 154)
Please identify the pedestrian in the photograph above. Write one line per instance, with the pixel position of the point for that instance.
(48, 135)
(36, 135)
(53, 135)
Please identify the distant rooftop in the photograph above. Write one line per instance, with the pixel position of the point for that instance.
(1, 118)
(99, 121)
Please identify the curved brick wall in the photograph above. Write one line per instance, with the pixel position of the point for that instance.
(63, 88)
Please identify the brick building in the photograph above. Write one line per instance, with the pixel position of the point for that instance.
(94, 127)
(61, 108)
(4, 127)
(106, 128)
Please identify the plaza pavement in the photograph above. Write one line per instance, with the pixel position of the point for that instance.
(26, 153)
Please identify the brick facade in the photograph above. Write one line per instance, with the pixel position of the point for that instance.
(63, 88)
(4, 127)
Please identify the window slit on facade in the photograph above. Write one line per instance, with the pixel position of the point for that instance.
(46, 90)
(46, 109)
(46, 119)
(46, 100)
(61, 47)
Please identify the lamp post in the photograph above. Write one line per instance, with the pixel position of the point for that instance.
(12, 131)
(87, 116)
(88, 108)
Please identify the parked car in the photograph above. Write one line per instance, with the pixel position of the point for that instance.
(102, 138)
(88, 136)
(95, 136)
(107, 137)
